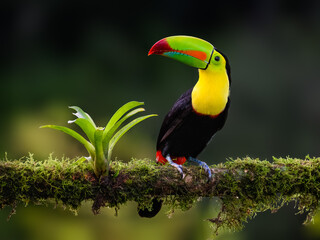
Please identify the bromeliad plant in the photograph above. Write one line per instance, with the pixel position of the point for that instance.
(102, 140)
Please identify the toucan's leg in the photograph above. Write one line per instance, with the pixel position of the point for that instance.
(202, 164)
(177, 166)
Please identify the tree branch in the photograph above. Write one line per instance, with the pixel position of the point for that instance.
(245, 186)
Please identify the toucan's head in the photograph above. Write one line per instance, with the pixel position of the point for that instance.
(192, 51)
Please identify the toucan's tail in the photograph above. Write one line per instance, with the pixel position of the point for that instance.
(157, 203)
(156, 206)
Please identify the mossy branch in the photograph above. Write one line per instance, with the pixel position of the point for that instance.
(245, 186)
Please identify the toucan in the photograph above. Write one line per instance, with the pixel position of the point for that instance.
(199, 112)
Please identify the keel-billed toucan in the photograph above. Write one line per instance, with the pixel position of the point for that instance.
(200, 112)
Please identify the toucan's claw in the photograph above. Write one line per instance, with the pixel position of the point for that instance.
(177, 166)
(203, 165)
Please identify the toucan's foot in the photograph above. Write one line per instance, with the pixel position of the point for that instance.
(203, 165)
(177, 166)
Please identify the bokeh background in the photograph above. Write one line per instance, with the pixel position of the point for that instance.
(94, 55)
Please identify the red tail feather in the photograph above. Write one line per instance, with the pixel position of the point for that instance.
(161, 159)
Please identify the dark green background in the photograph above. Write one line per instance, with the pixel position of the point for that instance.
(94, 55)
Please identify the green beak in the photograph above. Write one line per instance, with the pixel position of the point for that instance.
(192, 51)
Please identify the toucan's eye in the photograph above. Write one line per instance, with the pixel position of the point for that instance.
(217, 58)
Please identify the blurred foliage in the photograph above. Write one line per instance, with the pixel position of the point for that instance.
(56, 54)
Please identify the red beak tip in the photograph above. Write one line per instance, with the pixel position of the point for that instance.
(160, 47)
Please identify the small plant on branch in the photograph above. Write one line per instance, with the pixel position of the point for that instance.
(101, 141)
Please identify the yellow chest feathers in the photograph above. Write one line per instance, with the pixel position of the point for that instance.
(210, 94)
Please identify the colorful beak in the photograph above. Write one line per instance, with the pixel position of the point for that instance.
(189, 50)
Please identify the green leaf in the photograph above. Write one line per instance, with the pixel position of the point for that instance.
(86, 127)
(123, 130)
(120, 112)
(82, 114)
(100, 163)
(80, 160)
(108, 134)
(77, 136)
(85, 122)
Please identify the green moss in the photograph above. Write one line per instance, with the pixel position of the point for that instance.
(27, 180)
(254, 186)
(245, 186)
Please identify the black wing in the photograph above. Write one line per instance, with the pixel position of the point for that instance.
(181, 108)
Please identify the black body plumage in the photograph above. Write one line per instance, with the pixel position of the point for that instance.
(184, 132)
